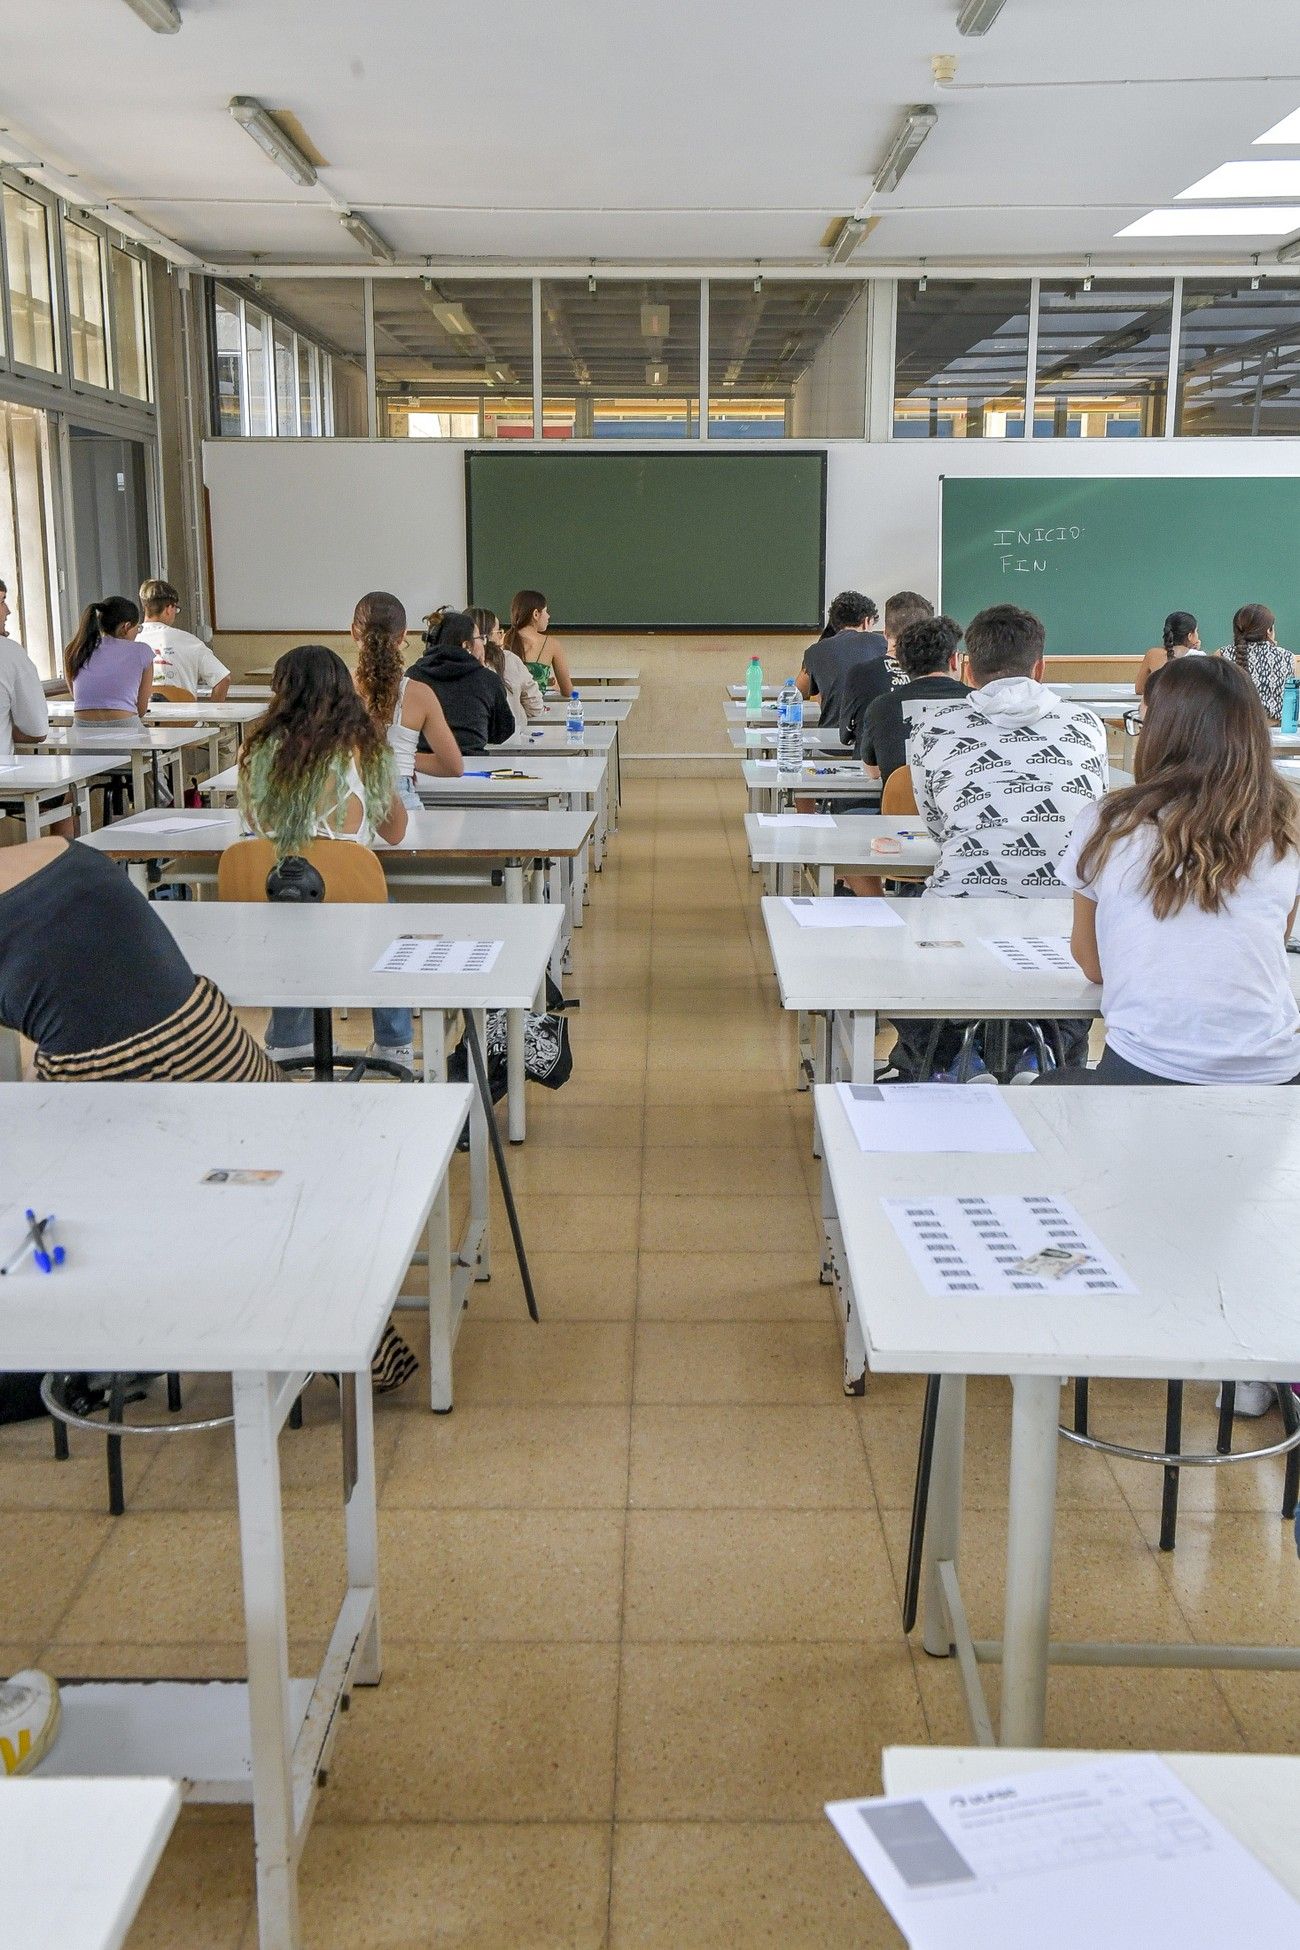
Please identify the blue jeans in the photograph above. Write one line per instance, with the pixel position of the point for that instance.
(289, 1028)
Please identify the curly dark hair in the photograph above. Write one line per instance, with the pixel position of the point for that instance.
(379, 623)
(926, 645)
(294, 764)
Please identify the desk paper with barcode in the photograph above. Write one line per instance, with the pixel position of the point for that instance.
(1030, 953)
(825, 820)
(975, 1244)
(436, 954)
(931, 1117)
(813, 911)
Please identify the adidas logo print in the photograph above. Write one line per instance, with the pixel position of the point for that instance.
(973, 795)
(1078, 784)
(990, 817)
(960, 747)
(1044, 810)
(1043, 876)
(1014, 787)
(991, 762)
(1072, 735)
(1025, 844)
(971, 849)
(984, 876)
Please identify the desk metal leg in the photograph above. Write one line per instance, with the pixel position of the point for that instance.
(478, 1147)
(32, 814)
(863, 1058)
(943, 1517)
(137, 872)
(138, 799)
(1034, 1416)
(83, 808)
(441, 1301)
(361, 1518)
(515, 1080)
(261, 1543)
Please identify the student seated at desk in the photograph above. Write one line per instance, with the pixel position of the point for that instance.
(849, 640)
(472, 697)
(109, 674)
(529, 638)
(406, 710)
(1256, 650)
(145, 1017)
(866, 682)
(1181, 639)
(317, 766)
(179, 658)
(23, 711)
(526, 700)
(927, 654)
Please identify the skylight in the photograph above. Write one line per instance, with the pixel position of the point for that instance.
(1287, 130)
(1248, 179)
(1275, 220)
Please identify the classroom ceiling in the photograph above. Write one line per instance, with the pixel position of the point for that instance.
(676, 134)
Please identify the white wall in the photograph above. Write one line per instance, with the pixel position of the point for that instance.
(300, 529)
(830, 395)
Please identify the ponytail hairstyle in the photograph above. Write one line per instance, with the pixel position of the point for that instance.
(1205, 792)
(450, 629)
(1252, 621)
(98, 620)
(1180, 625)
(293, 769)
(523, 605)
(379, 625)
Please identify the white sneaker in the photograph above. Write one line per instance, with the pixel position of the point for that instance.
(403, 1053)
(286, 1051)
(29, 1720)
(1253, 1399)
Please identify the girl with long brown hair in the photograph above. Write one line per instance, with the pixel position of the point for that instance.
(1256, 650)
(529, 639)
(406, 711)
(1185, 888)
(521, 685)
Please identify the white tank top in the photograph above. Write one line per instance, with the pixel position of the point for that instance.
(404, 739)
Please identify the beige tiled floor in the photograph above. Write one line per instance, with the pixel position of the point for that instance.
(640, 1589)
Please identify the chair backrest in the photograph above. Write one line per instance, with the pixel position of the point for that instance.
(350, 871)
(896, 794)
(174, 694)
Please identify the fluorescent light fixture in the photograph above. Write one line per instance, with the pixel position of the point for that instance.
(272, 140)
(916, 125)
(655, 375)
(1247, 179)
(452, 318)
(1287, 253)
(1273, 220)
(367, 236)
(654, 321)
(162, 15)
(1287, 130)
(977, 16)
(852, 231)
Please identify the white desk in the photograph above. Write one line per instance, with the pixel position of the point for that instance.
(608, 693)
(1099, 697)
(820, 778)
(1217, 1300)
(606, 674)
(553, 741)
(599, 708)
(204, 710)
(265, 1284)
(755, 739)
(241, 693)
(734, 712)
(76, 1858)
(140, 747)
(264, 955)
(572, 784)
(823, 850)
(45, 785)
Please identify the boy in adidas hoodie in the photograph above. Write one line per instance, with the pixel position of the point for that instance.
(1001, 776)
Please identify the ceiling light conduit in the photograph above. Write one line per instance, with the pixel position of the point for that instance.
(271, 139)
(901, 154)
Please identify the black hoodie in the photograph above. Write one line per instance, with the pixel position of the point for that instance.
(472, 697)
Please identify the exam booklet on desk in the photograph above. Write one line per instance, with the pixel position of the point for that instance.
(1113, 1854)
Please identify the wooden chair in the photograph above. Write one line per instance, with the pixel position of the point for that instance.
(174, 694)
(896, 795)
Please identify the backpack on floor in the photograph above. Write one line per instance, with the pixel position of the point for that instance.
(548, 1054)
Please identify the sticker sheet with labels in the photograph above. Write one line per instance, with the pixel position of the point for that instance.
(437, 954)
(1009, 1245)
(1031, 953)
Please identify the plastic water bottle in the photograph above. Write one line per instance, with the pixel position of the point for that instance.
(754, 689)
(575, 723)
(1291, 705)
(789, 729)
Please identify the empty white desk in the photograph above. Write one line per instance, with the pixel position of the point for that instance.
(756, 739)
(76, 1858)
(45, 786)
(266, 1283)
(203, 710)
(735, 712)
(852, 844)
(1217, 1298)
(142, 748)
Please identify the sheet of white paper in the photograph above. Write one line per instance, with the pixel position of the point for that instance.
(975, 1244)
(796, 819)
(172, 823)
(930, 1117)
(1031, 952)
(414, 954)
(1116, 1852)
(810, 912)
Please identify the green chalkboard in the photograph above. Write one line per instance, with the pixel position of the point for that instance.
(705, 541)
(1103, 562)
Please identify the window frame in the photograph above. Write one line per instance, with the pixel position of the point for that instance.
(22, 186)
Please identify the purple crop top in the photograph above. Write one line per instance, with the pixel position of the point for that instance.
(111, 680)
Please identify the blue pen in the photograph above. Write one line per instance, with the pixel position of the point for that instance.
(47, 1255)
(476, 775)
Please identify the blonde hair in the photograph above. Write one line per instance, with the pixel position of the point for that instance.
(157, 595)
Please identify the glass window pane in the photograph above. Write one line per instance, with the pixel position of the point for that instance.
(1103, 359)
(308, 388)
(257, 355)
(326, 393)
(622, 361)
(26, 553)
(330, 313)
(452, 346)
(286, 381)
(131, 346)
(85, 264)
(961, 355)
(1239, 357)
(229, 335)
(30, 299)
(789, 359)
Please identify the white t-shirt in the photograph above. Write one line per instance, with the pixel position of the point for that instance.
(179, 658)
(22, 701)
(1197, 997)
